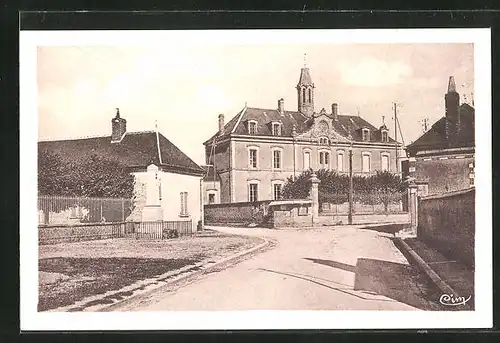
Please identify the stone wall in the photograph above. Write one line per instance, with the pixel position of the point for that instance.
(447, 223)
(82, 232)
(236, 213)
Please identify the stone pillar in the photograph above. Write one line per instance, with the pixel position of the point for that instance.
(413, 205)
(152, 211)
(315, 197)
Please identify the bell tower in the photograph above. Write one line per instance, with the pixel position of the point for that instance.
(305, 92)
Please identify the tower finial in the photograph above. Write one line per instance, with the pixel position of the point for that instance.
(305, 57)
(383, 120)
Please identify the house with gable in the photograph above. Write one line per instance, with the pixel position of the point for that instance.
(167, 183)
(442, 159)
(255, 152)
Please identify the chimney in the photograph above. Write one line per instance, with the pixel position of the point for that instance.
(335, 110)
(118, 127)
(281, 106)
(221, 124)
(452, 103)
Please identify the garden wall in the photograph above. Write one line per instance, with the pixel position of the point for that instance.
(447, 223)
(82, 232)
(236, 213)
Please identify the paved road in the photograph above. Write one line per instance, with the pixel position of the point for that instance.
(322, 269)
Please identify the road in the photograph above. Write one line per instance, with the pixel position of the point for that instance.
(319, 269)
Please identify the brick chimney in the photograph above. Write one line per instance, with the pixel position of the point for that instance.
(335, 110)
(221, 124)
(281, 106)
(118, 127)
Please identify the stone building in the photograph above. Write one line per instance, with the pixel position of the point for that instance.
(442, 159)
(167, 183)
(257, 150)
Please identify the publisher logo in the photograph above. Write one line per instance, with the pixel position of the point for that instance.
(452, 300)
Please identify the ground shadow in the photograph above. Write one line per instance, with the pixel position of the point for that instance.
(396, 281)
(388, 228)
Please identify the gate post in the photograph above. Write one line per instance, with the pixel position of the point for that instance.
(315, 197)
(412, 205)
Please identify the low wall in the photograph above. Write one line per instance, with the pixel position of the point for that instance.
(369, 218)
(236, 213)
(447, 223)
(82, 232)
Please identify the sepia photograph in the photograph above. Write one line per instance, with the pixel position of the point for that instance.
(205, 179)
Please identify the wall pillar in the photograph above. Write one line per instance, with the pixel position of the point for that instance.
(152, 211)
(412, 205)
(315, 197)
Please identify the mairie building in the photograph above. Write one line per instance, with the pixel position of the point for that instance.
(252, 155)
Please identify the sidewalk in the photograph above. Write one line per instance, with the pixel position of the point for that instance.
(451, 276)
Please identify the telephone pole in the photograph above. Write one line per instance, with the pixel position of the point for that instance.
(396, 136)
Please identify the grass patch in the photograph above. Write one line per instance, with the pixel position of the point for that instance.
(92, 276)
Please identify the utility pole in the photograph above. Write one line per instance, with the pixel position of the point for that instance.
(349, 216)
(396, 137)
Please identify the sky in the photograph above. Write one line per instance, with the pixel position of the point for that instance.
(184, 87)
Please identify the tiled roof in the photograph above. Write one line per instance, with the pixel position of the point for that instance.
(436, 138)
(137, 149)
(344, 125)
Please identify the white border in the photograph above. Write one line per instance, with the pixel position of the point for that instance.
(32, 320)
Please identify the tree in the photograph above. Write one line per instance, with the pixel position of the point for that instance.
(383, 187)
(90, 176)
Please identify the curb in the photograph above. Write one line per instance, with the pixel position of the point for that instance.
(147, 287)
(435, 278)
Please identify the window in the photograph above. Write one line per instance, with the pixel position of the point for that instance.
(366, 163)
(277, 191)
(253, 192)
(366, 135)
(252, 127)
(307, 160)
(211, 198)
(184, 203)
(252, 158)
(340, 161)
(276, 129)
(323, 140)
(385, 137)
(303, 95)
(276, 159)
(310, 94)
(385, 162)
(324, 159)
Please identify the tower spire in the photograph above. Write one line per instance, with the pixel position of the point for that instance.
(452, 88)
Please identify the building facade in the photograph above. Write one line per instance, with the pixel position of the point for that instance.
(442, 159)
(257, 150)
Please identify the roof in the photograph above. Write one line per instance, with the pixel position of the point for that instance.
(345, 125)
(136, 149)
(305, 78)
(210, 174)
(435, 137)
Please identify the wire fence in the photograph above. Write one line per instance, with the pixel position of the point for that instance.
(363, 202)
(160, 229)
(59, 210)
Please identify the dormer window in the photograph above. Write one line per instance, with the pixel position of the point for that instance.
(276, 129)
(366, 135)
(385, 136)
(252, 127)
(323, 141)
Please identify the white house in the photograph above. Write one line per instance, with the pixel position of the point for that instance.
(168, 184)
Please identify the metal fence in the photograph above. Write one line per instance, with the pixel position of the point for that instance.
(159, 229)
(363, 203)
(58, 210)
